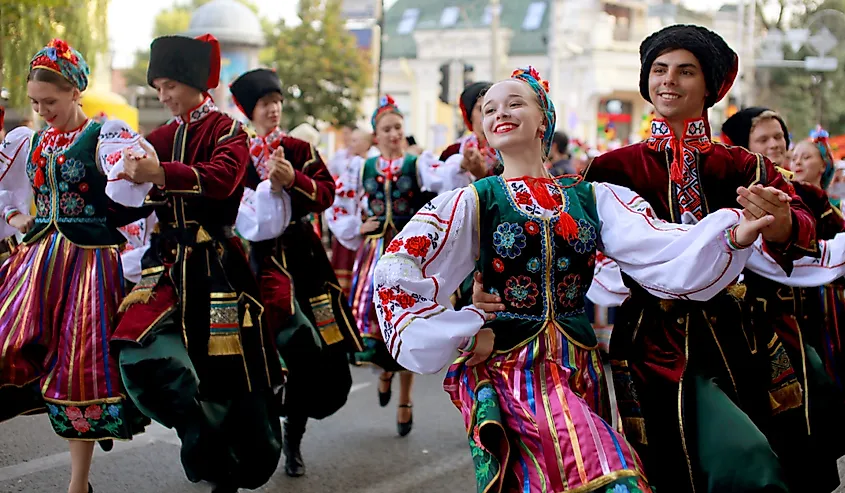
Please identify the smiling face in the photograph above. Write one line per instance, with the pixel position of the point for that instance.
(807, 163)
(390, 133)
(676, 86)
(179, 98)
(512, 116)
(767, 138)
(268, 111)
(56, 104)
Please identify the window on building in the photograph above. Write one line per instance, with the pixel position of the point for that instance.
(621, 21)
(487, 16)
(449, 17)
(534, 16)
(409, 21)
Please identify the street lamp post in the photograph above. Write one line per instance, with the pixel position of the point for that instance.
(380, 7)
(495, 8)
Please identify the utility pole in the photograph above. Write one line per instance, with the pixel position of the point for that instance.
(751, 67)
(380, 17)
(495, 7)
(739, 90)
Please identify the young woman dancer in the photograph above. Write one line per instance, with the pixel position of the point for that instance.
(62, 287)
(374, 200)
(529, 383)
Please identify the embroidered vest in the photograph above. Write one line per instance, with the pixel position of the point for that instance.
(393, 201)
(541, 277)
(73, 198)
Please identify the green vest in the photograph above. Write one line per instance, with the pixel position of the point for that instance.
(73, 198)
(393, 201)
(541, 277)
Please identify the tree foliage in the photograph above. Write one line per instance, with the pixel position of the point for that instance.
(805, 98)
(26, 26)
(322, 70)
(173, 20)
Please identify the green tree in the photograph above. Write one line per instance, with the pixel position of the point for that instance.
(26, 26)
(322, 70)
(805, 98)
(173, 20)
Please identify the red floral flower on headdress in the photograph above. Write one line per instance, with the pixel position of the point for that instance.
(534, 74)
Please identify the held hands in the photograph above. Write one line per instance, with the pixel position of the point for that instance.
(142, 167)
(370, 224)
(281, 171)
(758, 203)
(483, 347)
(22, 222)
(474, 162)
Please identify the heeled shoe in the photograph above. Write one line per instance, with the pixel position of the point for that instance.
(404, 428)
(90, 488)
(106, 445)
(384, 397)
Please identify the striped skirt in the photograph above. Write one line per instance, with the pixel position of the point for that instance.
(537, 421)
(363, 289)
(56, 318)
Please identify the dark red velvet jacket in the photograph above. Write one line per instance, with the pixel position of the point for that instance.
(208, 173)
(721, 171)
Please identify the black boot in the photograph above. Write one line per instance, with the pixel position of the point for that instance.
(294, 430)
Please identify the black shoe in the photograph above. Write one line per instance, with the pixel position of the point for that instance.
(224, 488)
(90, 488)
(294, 465)
(384, 397)
(106, 445)
(405, 428)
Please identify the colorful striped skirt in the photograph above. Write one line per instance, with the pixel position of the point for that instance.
(537, 421)
(56, 319)
(363, 289)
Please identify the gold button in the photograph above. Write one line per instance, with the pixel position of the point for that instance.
(188, 249)
(173, 251)
(681, 320)
(712, 320)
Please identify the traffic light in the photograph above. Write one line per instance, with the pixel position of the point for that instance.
(444, 83)
(469, 70)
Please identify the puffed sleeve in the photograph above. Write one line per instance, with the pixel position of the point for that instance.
(807, 272)
(15, 189)
(420, 269)
(607, 288)
(344, 216)
(263, 214)
(438, 176)
(671, 261)
(115, 137)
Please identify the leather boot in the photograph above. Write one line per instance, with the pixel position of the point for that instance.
(294, 429)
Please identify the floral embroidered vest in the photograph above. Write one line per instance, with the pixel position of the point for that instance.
(393, 198)
(73, 197)
(541, 277)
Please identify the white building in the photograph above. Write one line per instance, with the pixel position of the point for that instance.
(587, 49)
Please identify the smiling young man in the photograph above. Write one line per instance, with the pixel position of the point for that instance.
(696, 385)
(299, 290)
(195, 354)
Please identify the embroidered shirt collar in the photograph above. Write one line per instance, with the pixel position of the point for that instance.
(261, 147)
(204, 109)
(695, 139)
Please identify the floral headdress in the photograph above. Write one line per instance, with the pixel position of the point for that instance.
(385, 105)
(531, 76)
(820, 137)
(60, 58)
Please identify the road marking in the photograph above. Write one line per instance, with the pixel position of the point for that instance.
(155, 433)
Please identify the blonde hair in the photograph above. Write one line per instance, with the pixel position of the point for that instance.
(766, 115)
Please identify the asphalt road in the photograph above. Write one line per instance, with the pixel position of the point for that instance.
(356, 451)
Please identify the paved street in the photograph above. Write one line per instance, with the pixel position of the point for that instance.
(356, 451)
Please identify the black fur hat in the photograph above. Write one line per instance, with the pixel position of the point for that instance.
(252, 86)
(719, 62)
(191, 61)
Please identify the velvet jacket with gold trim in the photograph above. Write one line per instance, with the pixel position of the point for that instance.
(196, 273)
(295, 264)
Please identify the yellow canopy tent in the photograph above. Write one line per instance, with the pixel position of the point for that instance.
(95, 103)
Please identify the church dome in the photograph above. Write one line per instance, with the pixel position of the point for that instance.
(230, 21)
